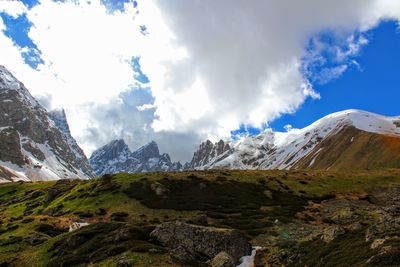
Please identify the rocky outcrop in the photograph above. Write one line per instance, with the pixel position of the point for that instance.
(362, 228)
(116, 157)
(389, 222)
(189, 243)
(32, 146)
(207, 153)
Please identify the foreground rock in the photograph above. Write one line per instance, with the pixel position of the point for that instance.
(189, 243)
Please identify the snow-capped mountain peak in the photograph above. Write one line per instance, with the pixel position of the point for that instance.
(116, 157)
(147, 151)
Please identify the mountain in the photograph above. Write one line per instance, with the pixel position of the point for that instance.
(60, 120)
(206, 153)
(34, 145)
(351, 139)
(116, 157)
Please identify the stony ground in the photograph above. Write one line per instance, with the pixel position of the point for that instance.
(298, 218)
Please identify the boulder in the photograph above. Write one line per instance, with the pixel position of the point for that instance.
(222, 259)
(190, 241)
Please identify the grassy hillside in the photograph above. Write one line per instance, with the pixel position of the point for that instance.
(352, 149)
(265, 205)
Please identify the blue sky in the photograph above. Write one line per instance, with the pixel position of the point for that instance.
(183, 71)
(374, 87)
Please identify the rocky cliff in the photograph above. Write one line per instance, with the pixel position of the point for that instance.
(32, 147)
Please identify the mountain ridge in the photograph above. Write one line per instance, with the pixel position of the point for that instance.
(374, 138)
(116, 157)
(32, 147)
(286, 150)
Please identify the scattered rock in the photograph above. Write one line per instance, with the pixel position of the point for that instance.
(222, 259)
(156, 251)
(11, 240)
(377, 243)
(54, 211)
(27, 220)
(268, 194)
(332, 232)
(76, 225)
(84, 214)
(35, 194)
(344, 216)
(188, 242)
(355, 226)
(125, 234)
(12, 227)
(124, 263)
(387, 224)
(119, 216)
(49, 229)
(36, 239)
(159, 189)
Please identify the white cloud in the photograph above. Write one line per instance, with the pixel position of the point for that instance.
(212, 65)
(12, 7)
(246, 56)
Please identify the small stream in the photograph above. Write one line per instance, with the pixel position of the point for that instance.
(248, 261)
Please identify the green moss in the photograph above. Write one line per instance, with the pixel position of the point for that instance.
(347, 250)
(99, 241)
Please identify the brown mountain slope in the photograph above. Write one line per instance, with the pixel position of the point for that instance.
(352, 148)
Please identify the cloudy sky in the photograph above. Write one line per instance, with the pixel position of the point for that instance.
(181, 71)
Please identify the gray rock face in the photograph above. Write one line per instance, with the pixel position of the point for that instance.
(30, 142)
(10, 147)
(116, 157)
(193, 242)
(207, 153)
